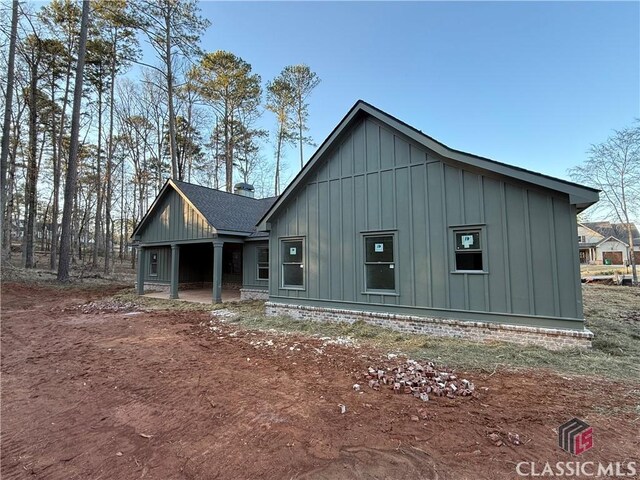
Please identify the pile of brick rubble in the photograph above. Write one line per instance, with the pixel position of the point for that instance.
(106, 306)
(418, 380)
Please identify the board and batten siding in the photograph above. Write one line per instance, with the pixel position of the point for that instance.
(250, 265)
(173, 220)
(376, 179)
(164, 264)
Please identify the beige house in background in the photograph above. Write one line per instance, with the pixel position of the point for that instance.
(606, 243)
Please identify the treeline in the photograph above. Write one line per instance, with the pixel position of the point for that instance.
(187, 114)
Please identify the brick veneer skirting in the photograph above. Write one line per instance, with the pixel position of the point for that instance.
(550, 338)
(253, 294)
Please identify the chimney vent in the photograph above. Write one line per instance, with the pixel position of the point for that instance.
(244, 189)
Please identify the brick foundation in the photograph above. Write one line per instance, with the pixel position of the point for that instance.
(155, 287)
(550, 338)
(253, 294)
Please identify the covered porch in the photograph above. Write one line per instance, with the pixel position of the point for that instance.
(207, 271)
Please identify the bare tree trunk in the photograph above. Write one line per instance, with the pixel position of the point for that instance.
(11, 182)
(107, 207)
(56, 185)
(278, 153)
(632, 259)
(122, 214)
(72, 167)
(172, 119)
(32, 170)
(300, 133)
(6, 126)
(57, 172)
(98, 220)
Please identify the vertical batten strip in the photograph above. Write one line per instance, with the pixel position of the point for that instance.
(485, 278)
(554, 255)
(528, 251)
(447, 267)
(505, 248)
(428, 234)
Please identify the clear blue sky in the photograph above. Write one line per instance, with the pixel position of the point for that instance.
(531, 84)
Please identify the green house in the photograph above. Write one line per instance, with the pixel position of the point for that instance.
(195, 237)
(387, 225)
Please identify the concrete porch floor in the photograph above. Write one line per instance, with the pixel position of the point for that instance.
(203, 295)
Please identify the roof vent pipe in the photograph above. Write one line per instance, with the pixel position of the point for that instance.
(244, 189)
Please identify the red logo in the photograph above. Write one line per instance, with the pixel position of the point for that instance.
(575, 436)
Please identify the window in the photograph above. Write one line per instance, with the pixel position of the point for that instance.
(263, 263)
(380, 273)
(292, 263)
(582, 239)
(468, 250)
(154, 264)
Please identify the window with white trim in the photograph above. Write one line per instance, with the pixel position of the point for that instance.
(263, 263)
(292, 255)
(379, 263)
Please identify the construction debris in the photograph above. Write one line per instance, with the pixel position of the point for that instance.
(107, 306)
(419, 380)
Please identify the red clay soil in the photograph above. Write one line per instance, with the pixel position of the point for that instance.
(157, 395)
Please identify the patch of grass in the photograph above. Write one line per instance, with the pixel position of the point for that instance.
(612, 313)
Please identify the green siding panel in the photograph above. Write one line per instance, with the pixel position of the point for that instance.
(250, 265)
(174, 219)
(377, 179)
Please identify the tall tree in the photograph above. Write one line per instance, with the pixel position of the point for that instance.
(226, 83)
(97, 75)
(33, 53)
(188, 147)
(614, 168)
(116, 23)
(281, 101)
(72, 165)
(6, 126)
(303, 81)
(55, 58)
(172, 28)
(62, 20)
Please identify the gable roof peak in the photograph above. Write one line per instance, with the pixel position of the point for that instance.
(579, 195)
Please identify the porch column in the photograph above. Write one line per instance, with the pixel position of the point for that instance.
(217, 271)
(175, 270)
(140, 270)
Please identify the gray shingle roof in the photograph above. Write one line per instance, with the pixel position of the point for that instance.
(615, 230)
(226, 211)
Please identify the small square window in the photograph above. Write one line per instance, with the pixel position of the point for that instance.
(380, 274)
(468, 254)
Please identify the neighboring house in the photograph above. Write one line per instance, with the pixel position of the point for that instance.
(606, 243)
(198, 237)
(384, 224)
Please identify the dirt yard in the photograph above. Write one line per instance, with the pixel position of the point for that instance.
(170, 395)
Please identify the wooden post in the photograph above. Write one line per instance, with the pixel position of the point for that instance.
(217, 271)
(175, 270)
(141, 270)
